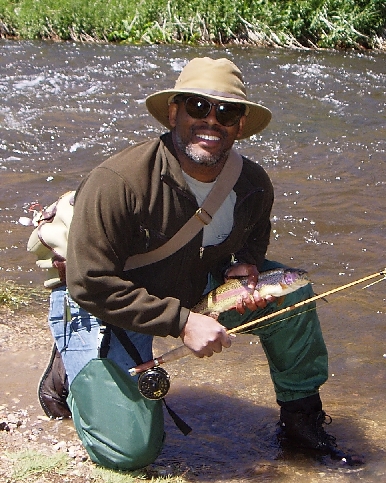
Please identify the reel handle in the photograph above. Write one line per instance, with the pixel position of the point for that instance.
(170, 356)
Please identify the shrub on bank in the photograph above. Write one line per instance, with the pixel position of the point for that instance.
(305, 23)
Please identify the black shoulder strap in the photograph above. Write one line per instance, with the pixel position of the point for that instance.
(130, 348)
(180, 423)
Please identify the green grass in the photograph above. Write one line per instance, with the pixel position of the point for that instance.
(34, 466)
(27, 464)
(14, 296)
(104, 475)
(285, 23)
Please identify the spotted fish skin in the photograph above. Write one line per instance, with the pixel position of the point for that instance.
(276, 283)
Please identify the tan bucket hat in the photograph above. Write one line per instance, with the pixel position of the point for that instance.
(215, 78)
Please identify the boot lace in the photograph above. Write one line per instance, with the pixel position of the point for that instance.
(325, 438)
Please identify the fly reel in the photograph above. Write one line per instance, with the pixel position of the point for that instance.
(154, 383)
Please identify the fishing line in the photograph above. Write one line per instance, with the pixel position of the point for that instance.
(249, 331)
(374, 283)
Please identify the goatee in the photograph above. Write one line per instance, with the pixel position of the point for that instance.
(202, 158)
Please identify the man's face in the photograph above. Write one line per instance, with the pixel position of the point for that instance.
(204, 141)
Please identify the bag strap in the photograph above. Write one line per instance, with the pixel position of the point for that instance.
(179, 422)
(125, 340)
(130, 348)
(203, 216)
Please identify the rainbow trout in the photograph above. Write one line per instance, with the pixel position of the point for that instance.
(276, 283)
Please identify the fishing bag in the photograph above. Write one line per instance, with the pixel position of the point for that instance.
(118, 427)
(48, 241)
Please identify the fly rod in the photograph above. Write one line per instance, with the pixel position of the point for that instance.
(183, 350)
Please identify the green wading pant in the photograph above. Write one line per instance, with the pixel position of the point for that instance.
(293, 343)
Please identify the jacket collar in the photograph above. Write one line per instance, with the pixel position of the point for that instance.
(171, 171)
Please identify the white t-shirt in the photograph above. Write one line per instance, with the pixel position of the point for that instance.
(222, 222)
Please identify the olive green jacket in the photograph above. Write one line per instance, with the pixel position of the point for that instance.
(134, 202)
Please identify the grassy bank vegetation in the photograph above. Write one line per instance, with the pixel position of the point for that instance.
(14, 296)
(286, 23)
(30, 466)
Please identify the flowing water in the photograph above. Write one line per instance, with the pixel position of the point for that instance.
(66, 107)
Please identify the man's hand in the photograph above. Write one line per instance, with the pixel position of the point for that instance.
(251, 299)
(204, 335)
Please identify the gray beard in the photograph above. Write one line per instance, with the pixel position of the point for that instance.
(204, 159)
(201, 159)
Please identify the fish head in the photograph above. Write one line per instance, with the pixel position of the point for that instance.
(293, 279)
(295, 275)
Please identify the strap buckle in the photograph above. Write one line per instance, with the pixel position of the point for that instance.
(203, 216)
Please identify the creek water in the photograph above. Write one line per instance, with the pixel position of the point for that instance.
(66, 107)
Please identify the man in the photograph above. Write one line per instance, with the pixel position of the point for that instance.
(139, 198)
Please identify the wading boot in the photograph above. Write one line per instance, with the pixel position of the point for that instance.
(307, 429)
(53, 388)
(301, 425)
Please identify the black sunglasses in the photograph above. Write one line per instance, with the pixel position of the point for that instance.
(227, 113)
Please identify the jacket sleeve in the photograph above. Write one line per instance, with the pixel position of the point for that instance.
(100, 240)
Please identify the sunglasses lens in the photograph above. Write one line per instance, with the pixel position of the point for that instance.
(197, 107)
(227, 113)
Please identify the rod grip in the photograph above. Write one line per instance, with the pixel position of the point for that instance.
(170, 356)
(176, 354)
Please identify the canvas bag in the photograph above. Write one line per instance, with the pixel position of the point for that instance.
(48, 241)
(118, 427)
(117, 395)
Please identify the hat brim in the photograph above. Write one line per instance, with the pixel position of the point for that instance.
(257, 119)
